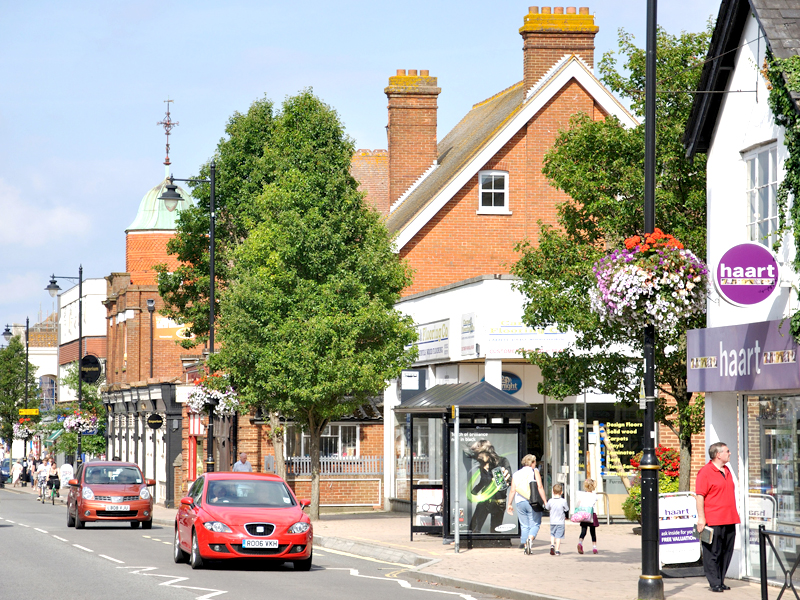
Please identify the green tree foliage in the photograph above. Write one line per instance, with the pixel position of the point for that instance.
(600, 165)
(308, 325)
(67, 442)
(12, 387)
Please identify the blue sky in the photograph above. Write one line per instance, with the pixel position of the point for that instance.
(83, 85)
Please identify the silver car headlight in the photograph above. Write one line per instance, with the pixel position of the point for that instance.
(217, 527)
(144, 494)
(87, 494)
(300, 527)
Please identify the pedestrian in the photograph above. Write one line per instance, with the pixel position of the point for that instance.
(558, 508)
(716, 510)
(67, 473)
(16, 473)
(519, 498)
(41, 477)
(243, 465)
(587, 501)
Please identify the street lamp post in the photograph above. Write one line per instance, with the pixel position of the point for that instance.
(651, 585)
(171, 198)
(53, 289)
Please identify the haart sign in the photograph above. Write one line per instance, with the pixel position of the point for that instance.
(747, 274)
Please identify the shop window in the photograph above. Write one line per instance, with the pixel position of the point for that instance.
(493, 192)
(762, 190)
(336, 441)
(47, 392)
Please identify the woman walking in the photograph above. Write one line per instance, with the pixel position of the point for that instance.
(586, 500)
(519, 497)
(16, 473)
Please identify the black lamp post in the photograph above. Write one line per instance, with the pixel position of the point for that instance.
(53, 288)
(651, 585)
(171, 198)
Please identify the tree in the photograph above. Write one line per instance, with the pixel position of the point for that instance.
(12, 387)
(600, 165)
(308, 324)
(91, 403)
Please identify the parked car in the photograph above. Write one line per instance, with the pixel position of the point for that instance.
(5, 471)
(109, 491)
(242, 515)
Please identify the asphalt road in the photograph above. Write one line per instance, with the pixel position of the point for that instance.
(120, 563)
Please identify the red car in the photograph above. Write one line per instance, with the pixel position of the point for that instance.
(109, 491)
(242, 515)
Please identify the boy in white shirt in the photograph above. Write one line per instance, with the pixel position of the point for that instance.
(558, 511)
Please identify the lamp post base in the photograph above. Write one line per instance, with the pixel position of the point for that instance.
(651, 587)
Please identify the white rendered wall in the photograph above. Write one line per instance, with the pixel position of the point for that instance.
(94, 313)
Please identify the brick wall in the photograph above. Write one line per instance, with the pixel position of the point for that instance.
(457, 243)
(371, 169)
(91, 345)
(699, 456)
(145, 249)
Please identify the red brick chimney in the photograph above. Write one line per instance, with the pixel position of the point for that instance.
(412, 128)
(551, 33)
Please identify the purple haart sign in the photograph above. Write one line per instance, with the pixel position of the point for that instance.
(747, 274)
(742, 358)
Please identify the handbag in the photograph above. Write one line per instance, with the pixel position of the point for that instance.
(582, 514)
(537, 504)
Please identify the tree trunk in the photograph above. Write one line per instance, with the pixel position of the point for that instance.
(685, 473)
(276, 435)
(314, 431)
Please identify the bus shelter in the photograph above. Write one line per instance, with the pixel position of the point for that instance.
(489, 449)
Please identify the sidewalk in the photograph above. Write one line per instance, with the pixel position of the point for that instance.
(612, 574)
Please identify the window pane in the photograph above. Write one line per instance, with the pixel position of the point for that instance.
(752, 215)
(751, 174)
(499, 182)
(329, 446)
(763, 203)
(763, 232)
(486, 198)
(349, 440)
(773, 165)
(763, 168)
(486, 182)
(499, 198)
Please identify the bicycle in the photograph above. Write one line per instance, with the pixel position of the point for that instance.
(53, 483)
(42, 485)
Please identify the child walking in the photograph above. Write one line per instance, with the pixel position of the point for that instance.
(587, 501)
(558, 511)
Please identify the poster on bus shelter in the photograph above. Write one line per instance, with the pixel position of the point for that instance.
(485, 460)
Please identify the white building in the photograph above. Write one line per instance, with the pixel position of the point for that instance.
(746, 359)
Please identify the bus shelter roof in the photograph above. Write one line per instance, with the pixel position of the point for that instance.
(470, 397)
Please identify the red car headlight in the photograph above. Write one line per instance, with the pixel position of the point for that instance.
(300, 527)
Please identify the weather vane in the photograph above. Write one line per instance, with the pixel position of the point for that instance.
(168, 125)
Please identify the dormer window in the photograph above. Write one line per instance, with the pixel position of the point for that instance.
(493, 193)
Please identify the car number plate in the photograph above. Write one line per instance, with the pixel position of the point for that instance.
(118, 507)
(259, 543)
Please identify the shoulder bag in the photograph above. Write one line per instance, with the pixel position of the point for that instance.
(537, 503)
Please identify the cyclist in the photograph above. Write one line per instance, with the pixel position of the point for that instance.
(53, 481)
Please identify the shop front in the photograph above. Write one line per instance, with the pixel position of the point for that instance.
(751, 379)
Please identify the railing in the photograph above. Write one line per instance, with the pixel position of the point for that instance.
(764, 537)
(422, 464)
(300, 466)
(607, 506)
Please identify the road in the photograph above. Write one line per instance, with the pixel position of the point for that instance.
(107, 561)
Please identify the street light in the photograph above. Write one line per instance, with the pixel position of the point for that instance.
(53, 289)
(171, 198)
(651, 585)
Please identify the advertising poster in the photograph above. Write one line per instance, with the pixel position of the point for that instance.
(485, 460)
(677, 516)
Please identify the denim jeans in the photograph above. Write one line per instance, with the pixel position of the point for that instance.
(529, 521)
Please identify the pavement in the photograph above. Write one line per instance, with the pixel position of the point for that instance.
(612, 574)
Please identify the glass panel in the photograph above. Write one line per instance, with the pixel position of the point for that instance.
(349, 440)
(486, 182)
(486, 199)
(752, 216)
(328, 446)
(773, 165)
(499, 198)
(763, 203)
(751, 174)
(763, 168)
(499, 182)
(763, 232)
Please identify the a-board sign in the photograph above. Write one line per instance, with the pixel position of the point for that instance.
(90, 369)
(677, 516)
(155, 421)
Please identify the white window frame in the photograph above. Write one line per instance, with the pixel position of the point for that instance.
(493, 210)
(761, 226)
(305, 439)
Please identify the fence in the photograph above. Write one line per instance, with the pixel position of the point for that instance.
(300, 466)
(764, 537)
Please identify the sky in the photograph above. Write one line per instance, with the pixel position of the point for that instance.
(83, 84)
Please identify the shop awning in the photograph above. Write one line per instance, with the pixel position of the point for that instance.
(53, 437)
(470, 397)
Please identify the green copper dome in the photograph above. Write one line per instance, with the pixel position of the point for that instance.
(153, 213)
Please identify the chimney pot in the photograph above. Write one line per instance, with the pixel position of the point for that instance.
(558, 10)
(570, 10)
(546, 10)
(584, 10)
(401, 72)
(533, 10)
(412, 72)
(425, 73)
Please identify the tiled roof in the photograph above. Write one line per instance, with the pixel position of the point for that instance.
(780, 20)
(455, 150)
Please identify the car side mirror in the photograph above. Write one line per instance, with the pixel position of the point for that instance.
(150, 482)
(73, 482)
(304, 502)
(187, 501)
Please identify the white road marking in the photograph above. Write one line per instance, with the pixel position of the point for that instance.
(111, 559)
(60, 538)
(402, 582)
(23, 525)
(172, 580)
(82, 548)
(42, 530)
(146, 536)
(155, 539)
(167, 543)
(385, 562)
(9, 520)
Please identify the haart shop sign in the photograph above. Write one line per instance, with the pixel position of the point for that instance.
(747, 274)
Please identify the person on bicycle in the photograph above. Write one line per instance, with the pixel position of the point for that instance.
(41, 478)
(53, 482)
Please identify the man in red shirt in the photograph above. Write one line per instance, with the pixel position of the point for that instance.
(716, 510)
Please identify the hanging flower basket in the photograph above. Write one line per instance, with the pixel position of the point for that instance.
(213, 389)
(79, 421)
(653, 281)
(25, 428)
